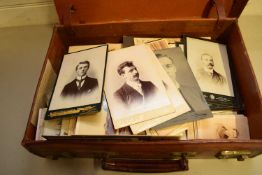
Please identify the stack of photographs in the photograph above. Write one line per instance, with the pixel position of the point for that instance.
(47, 127)
(145, 86)
(186, 131)
(153, 43)
(111, 47)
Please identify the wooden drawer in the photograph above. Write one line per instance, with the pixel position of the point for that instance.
(107, 22)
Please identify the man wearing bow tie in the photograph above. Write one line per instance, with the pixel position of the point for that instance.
(134, 91)
(82, 84)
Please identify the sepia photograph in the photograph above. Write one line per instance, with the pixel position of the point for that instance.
(184, 131)
(154, 44)
(80, 80)
(133, 88)
(223, 127)
(111, 47)
(158, 44)
(209, 63)
(170, 41)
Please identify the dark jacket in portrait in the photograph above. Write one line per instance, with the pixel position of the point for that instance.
(71, 89)
(218, 77)
(215, 77)
(129, 96)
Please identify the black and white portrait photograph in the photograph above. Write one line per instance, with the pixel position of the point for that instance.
(209, 63)
(175, 64)
(134, 89)
(207, 71)
(82, 84)
(80, 79)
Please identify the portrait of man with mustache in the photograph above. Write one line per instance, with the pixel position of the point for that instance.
(208, 73)
(134, 91)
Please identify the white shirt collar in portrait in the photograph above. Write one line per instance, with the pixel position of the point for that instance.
(80, 80)
(136, 85)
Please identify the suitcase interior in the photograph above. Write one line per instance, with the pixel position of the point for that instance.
(80, 26)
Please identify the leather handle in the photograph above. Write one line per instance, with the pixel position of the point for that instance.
(145, 165)
(219, 8)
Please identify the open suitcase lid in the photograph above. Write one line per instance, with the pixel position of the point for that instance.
(73, 12)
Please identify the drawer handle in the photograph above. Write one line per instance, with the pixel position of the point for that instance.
(145, 165)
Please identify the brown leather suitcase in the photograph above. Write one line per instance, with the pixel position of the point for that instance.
(100, 21)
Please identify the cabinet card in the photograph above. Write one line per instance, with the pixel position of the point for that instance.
(133, 87)
(210, 65)
(80, 82)
(175, 64)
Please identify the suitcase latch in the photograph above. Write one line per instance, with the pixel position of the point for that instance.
(239, 155)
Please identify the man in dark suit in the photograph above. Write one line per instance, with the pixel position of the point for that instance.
(208, 73)
(134, 91)
(82, 84)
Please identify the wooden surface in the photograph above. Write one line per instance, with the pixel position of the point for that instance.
(19, 12)
(97, 11)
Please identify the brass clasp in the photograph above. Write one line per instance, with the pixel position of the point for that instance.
(240, 155)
